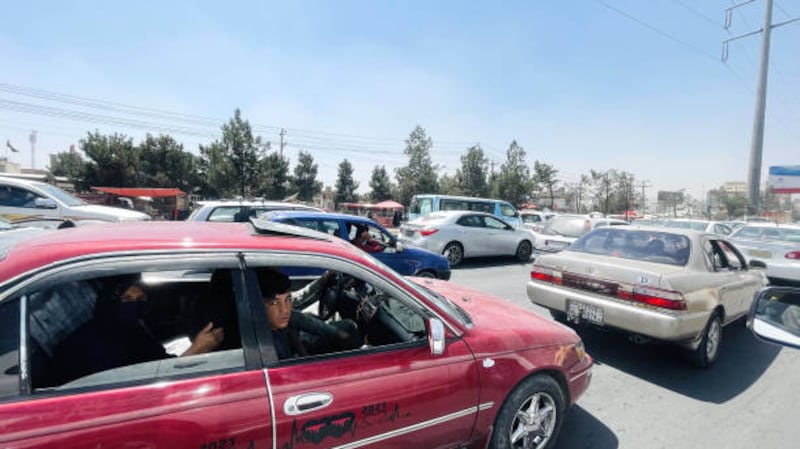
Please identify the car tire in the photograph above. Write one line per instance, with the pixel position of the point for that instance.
(454, 253)
(426, 274)
(531, 415)
(708, 351)
(524, 251)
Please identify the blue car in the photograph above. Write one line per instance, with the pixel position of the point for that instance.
(404, 259)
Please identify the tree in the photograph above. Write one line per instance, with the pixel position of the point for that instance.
(601, 185)
(513, 183)
(70, 164)
(450, 185)
(733, 204)
(233, 162)
(164, 163)
(274, 183)
(623, 193)
(472, 176)
(305, 177)
(112, 160)
(419, 176)
(381, 184)
(216, 172)
(346, 186)
(545, 175)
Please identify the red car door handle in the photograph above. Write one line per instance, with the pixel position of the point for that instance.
(306, 402)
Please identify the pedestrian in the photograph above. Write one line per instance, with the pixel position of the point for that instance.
(396, 218)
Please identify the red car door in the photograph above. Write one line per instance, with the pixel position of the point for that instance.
(216, 412)
(214, 400)
(397, 398)
(386, 394)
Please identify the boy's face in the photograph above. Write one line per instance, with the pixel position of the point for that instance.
(278, 309)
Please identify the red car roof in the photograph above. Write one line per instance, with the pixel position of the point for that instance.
(157, 236)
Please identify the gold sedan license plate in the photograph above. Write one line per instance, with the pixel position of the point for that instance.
(577, 311)
(760, 253)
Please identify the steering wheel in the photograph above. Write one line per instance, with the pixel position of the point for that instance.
(329, 301)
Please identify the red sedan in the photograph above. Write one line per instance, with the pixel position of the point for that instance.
(175, 335)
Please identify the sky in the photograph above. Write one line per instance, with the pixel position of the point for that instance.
(580, 84)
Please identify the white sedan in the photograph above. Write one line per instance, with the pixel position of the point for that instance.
(776, 245)
(677, 286)
(461, 234)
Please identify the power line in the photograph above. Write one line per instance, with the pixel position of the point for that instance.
(96, 118)
(774, 68)
(657, 30)
(780, 8)
(697, 13)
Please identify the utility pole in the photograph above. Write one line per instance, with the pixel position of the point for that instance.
(32, 139)
(757, 141)
(644, 185)
(283, 133)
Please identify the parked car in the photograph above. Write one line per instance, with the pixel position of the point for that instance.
(559, 232)
(407, 260)
(776, 245)
(516, 374)
(775, 316)
(22, 199)
(645, 221)
(698, 225)
(534, 220)
(734, 224)
(422, 205)
(462, 234)
(676, 286)
(241, 211)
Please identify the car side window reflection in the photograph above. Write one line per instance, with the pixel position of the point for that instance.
(332, 313)
(493, 223)
(132, 327)
(9, 349)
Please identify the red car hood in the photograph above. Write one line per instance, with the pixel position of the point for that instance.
(499, 325)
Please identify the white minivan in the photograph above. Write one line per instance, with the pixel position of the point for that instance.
(22, 199)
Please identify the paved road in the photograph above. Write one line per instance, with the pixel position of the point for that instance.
(650, 397)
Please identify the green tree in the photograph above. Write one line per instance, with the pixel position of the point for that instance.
(233, 162)
(601, 182)
(419, 176)
(381, 184)
(164, 163)
(305, 177)
(732, 204)
(275, 182)
(216, 172)
(624, 197)
(450, 185)
(544, 175)
(70, 164)
(112, 160)
(473, 174)
(514, 181)
(346, 186)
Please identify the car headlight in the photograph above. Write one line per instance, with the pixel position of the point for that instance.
(580, 351)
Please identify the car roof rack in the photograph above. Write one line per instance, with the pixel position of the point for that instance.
(268, 227)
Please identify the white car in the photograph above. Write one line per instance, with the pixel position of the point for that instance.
(713, 227)
(21, 199)
(241, 211)
(776, 245)
(561, 230)
(461, 234)
(534, 219)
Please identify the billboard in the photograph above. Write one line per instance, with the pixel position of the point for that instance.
(670, 197)
(784, 179)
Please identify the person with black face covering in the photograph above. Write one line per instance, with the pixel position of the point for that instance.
(115, 337)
